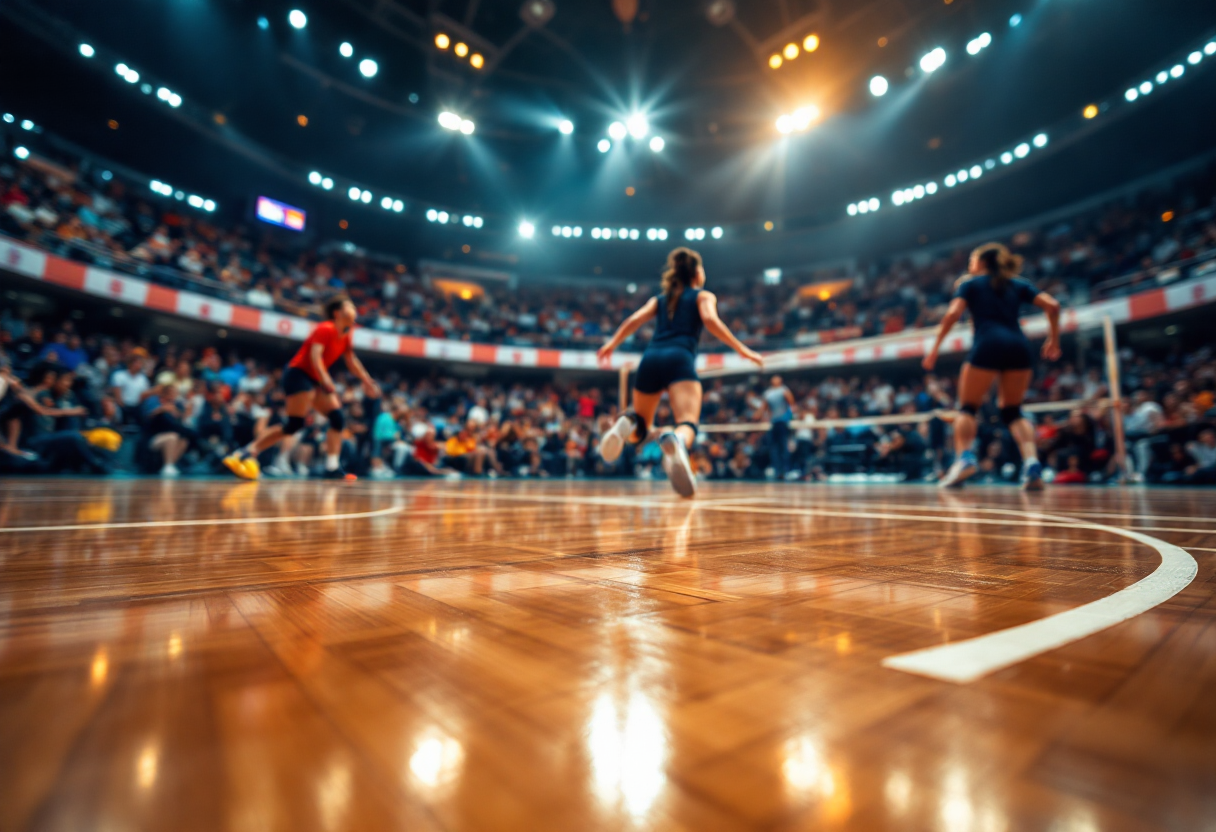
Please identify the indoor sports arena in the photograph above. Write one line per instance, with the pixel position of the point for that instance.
(467, 416)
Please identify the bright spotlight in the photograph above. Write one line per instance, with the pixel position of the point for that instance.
(21, 152)
(442, 216)
(790, 51)
(811, 43)
(565, 126)
(578, 231)
(431, 215)
(604, 146)
(1022, 150)
(617, 131)
(690, 233)
(1176, 70)
(566, 231)
(366, 197)
(775, 61)
(208, 205)
(962, 175)
(9, 118)
(1209, 48)
(87, 50)
(346, 50)
(657, 143)
(918, 192)
(633, 234)
(442, 41)
(1132, 94)
(716, 233)
(651, 234)
(26, 124)
(1146, 87)
(874, 203)
(121, 69)
(863, 207)
(327, 184)
(897, 198)
(1194, 58)
(387, 203)
(595, 234)
(477, 60)
(1162, 77)
(852, 209)
(951, 180)
(297, 19)
(398, 206)
(878, 86)
(195, 201)
(1006, 158)
(931, 188)
(785, 124)
(467, 221)
(449, 120)
(662, 233)
(263, 23)
(478, 222)
(461, 49)
(527, 230)
(934, 60)
(314, 178)
(1040, 140)
(976, 171)
(131, 77)
(1015, 21)
(354, 194)
(803, 116)
(368, 68)
(467, 127)
(638, 126)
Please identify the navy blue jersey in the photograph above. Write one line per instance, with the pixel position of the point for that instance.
(683, 329)
(991, 307)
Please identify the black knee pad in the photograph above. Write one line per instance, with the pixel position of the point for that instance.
(294, 425)
(695, 427)
(640, 428)
(1009, 415)
(337, 419)
(970, 409)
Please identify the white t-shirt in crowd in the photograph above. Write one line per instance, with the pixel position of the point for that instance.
(1143, 419)
(130, 386)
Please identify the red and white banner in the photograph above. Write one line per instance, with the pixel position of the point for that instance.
(31, 262)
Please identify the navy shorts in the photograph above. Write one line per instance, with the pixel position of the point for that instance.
(662, 367)
(296, 380)
(1002, 352)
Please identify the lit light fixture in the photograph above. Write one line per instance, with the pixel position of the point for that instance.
(327, 184)
(449, 120)
(297, 19)
(442, 216)
(195, 201)
(354, 194)
(527, 230)
(1146, 87)
(87, 50)
(302, 120)
(565, 126)
(461, 49)
(398, 206)
(931, 188)
(442, 41)
(26, 124)
(1091, 111)
(209, 205)
(604, 146)
(657, 143)
(790, 51)
(366, 197)
(1194, 58)
(1006, 158)
(785, 124)
(716, 233)
(1022, 150)
(879, 86)
(314, 178)
(21, 152)
(976, 44)
(617, 131)
(976, 171)
(476, 60)
(431, 215)
(1132, 94)
(368, 68)
(811, 43)
(1176, 70)
(263, 23)
(387, 203)
(9, 118)
(467, 126)
(775, 61)
(1015, 21)
(933, 61)
(1209, 48)
(1040, 140)
(346, 50)
(638, 126)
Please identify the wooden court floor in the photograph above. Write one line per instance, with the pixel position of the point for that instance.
(213, 655)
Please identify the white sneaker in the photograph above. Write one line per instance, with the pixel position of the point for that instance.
(170, 471)
(962, 468)
(675, 462)
(302, 470)
(614, 440)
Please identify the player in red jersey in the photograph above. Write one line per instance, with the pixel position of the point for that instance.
(307, 383)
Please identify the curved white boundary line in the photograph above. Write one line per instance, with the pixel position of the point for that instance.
(161, 524)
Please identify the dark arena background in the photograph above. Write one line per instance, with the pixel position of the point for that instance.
(607, 415)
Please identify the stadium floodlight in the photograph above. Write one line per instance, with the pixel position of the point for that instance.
(918, 192)
(467, 126)
(366, 197)
(1022, 150)
(327, 184)
(209, 205)
(604, 146)
(565, 126)
(354, 194)
(617, 131)
(634, 234)
(933, 60)
(21, 152)
(1146, 87)
(662, 233)
(657, 143)
(1132, 94)
(852, 209)
(1040, 140)
(1006, 158)
(398, 206)
(897, 198)
(651, 234)
(26, 124)
(9, 118)
(314, 178)
(1209, 48)
(565, 231)
(578, 231)
(195, 201)
(527, 230)
(638, 126)
(87, 51)
(879, 86)
(976, 171)
(874, 203)
(297, 19)
(785, 124)
(478, 222)
(431, 215)
(863, 207)
(387, 203)
(716, 232)
(962, 175)
(449, 120)
(368, 68)
(1015, 21)
(1176, 70)
(951, 180)
(1194, 58)
(346, 50)
(442, 216)
(931, 188)
(263, 23)
(1162, 77)
(595, 233)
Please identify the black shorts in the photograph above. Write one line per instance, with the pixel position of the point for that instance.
(662, 367)
(1001, 352)
(296, 380)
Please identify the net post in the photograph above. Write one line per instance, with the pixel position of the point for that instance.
(624, 387)
(1116, 396)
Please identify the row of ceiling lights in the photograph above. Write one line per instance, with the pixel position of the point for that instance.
(368, 67)
(791, 51)
(443, 218)
(131, 76)
(193, 200)
(460, 50)
(1173, 73)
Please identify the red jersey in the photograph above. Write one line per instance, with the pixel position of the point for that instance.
(334, 347)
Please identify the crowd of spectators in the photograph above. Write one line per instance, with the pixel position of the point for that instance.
(74, 401)
(1157, 235)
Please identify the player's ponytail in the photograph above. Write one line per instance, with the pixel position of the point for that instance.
(999, 263)
(682, 266)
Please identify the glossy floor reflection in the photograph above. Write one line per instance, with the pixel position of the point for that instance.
(579, 656)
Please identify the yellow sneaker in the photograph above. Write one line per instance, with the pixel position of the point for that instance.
(241, 468)
(252, 469)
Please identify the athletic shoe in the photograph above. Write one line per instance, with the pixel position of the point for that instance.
(338, 474)
(1032, 479)
(241, 467)
(614, 440)
(675, 462)
(170, 471)
(963, 467)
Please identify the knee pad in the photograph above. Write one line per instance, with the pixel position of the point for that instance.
(1009, 415)
(294, 425)
(695, 427)
(337, 419)
(970, 409)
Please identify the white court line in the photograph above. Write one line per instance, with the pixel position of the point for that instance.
(161, 524)
(966, 661)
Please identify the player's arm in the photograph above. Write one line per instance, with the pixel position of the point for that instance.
(707, 305)
(630, 326)
(1051, 308)
(319, 370)
(356, 366)
(953, 313)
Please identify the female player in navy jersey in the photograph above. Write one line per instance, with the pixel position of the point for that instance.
(308, 385)
(1000, 352)
(669, 365)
